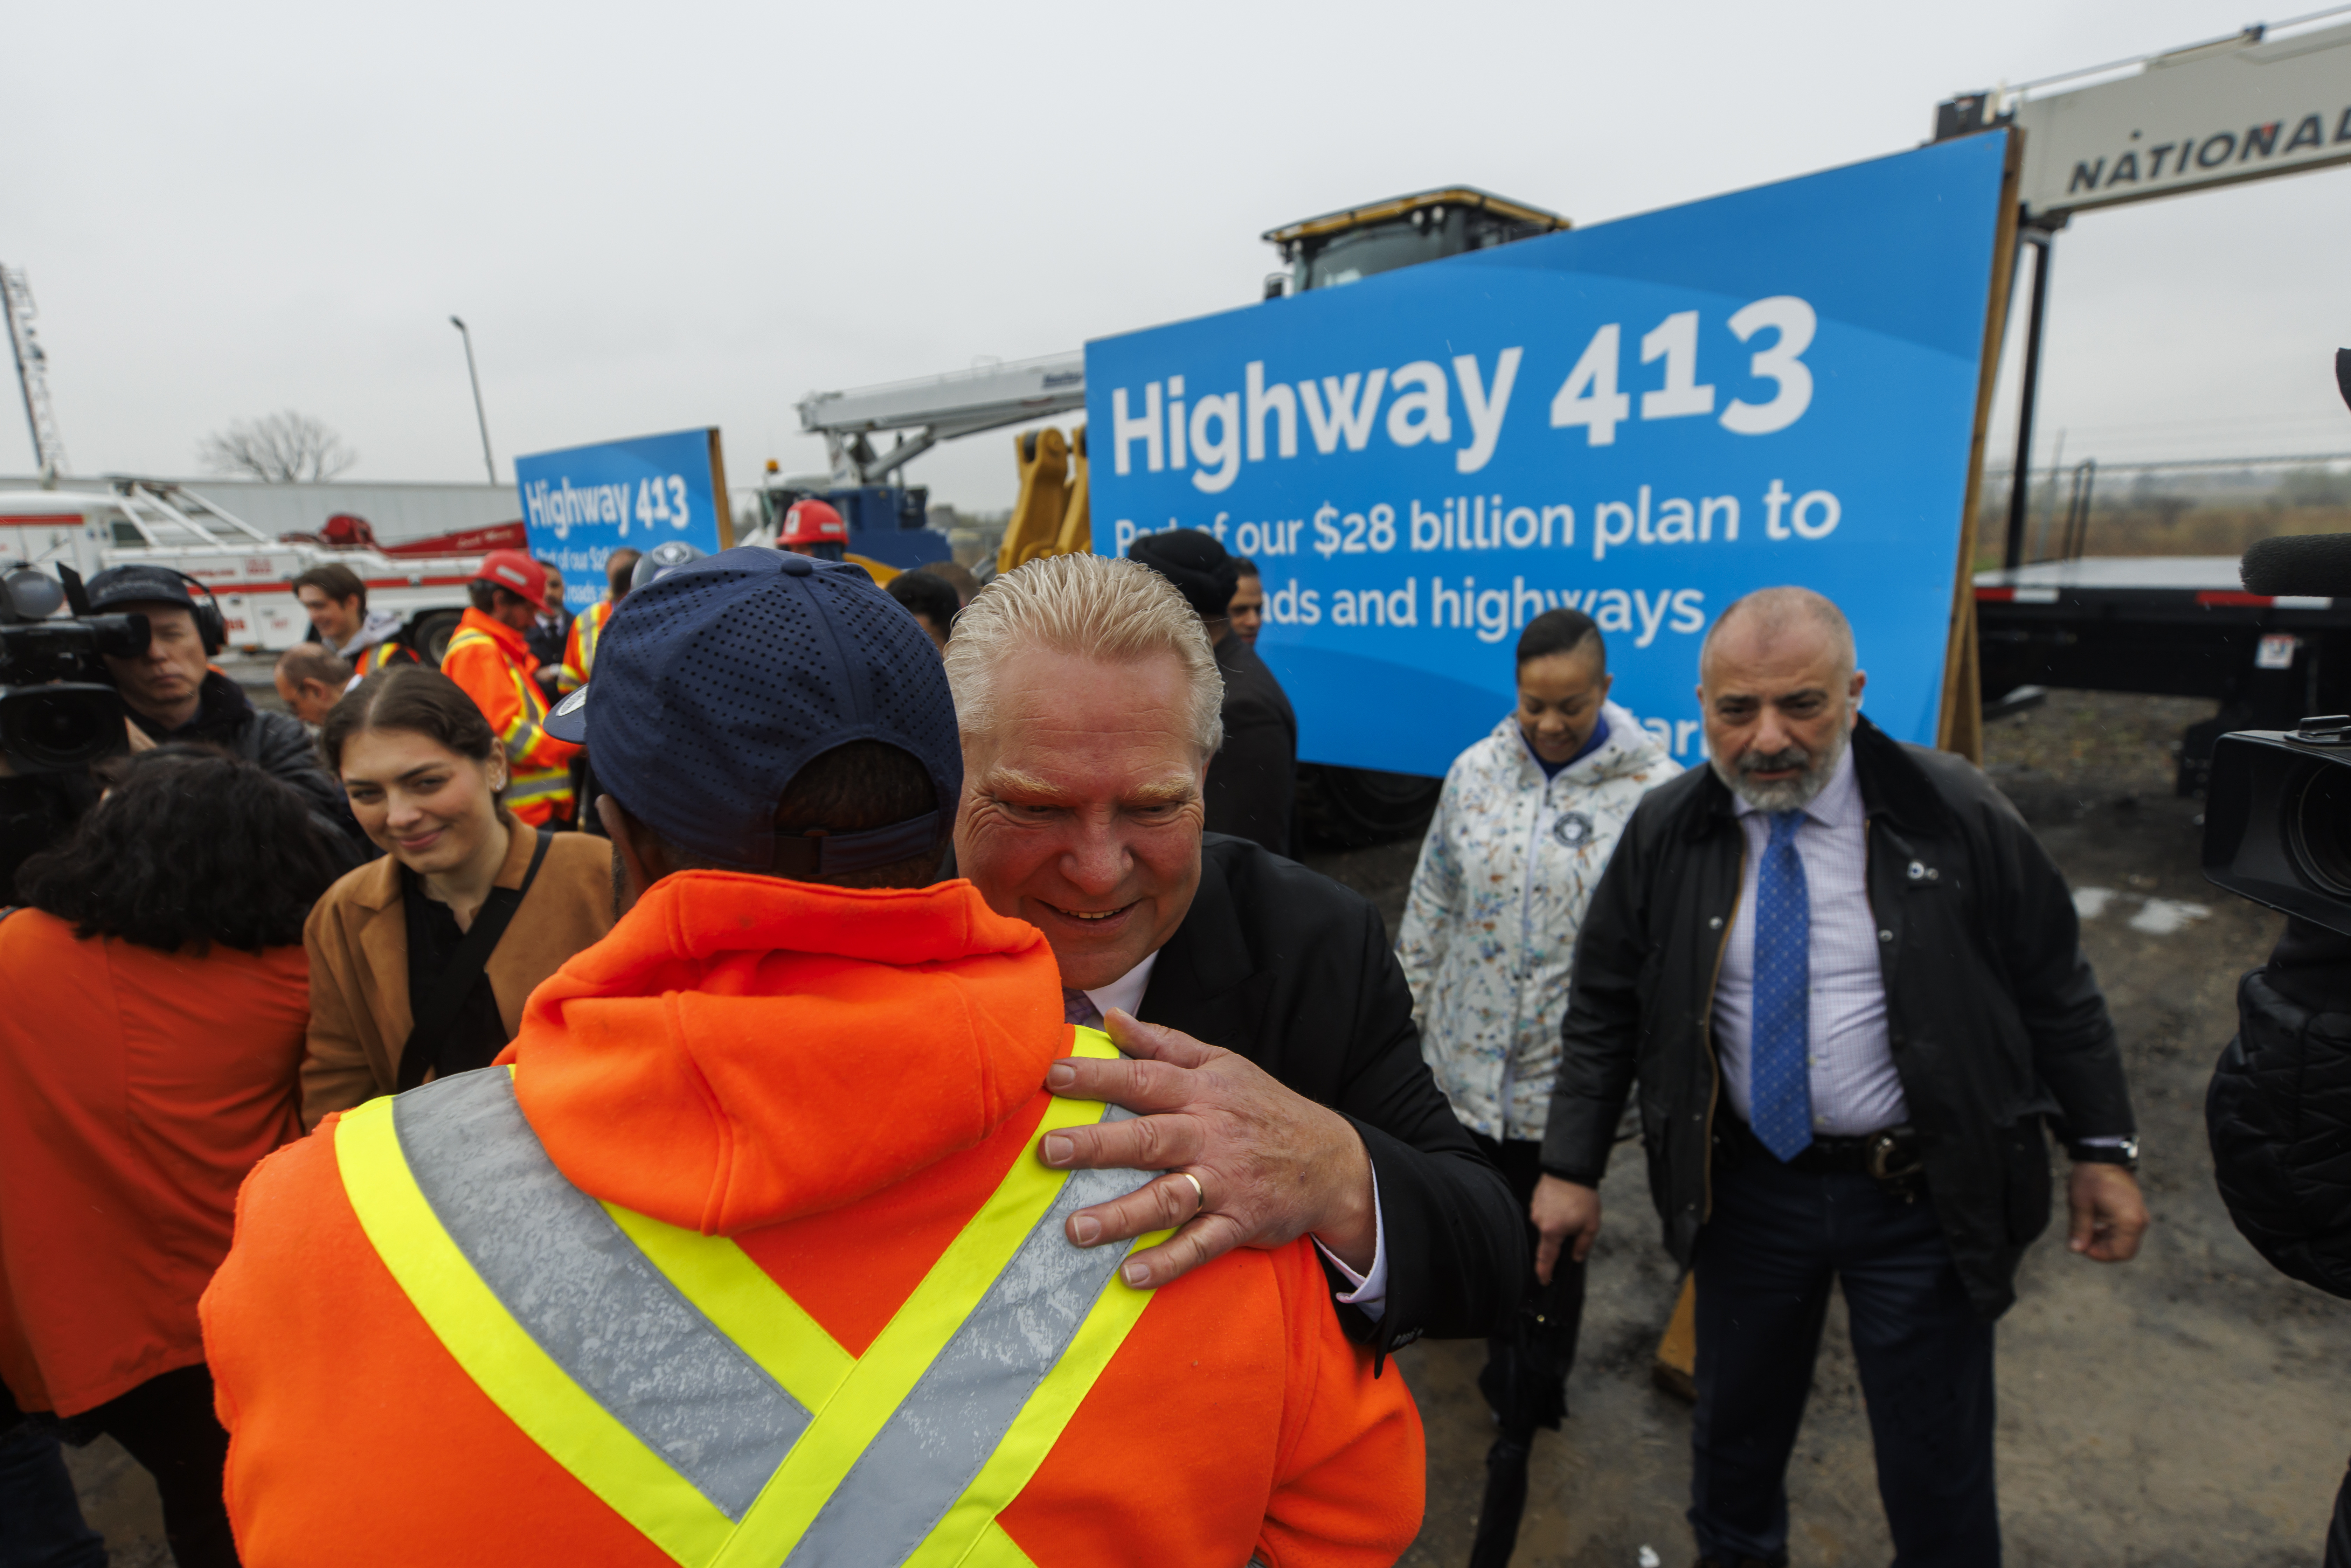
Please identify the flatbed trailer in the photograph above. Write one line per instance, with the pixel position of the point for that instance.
(2168, 626)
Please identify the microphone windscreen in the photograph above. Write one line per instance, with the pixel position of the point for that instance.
(2318, 565)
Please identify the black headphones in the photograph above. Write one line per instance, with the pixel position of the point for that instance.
(211, 626)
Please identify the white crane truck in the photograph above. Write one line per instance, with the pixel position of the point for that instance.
(163, 524)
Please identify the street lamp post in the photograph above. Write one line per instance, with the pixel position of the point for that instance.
(475, 376)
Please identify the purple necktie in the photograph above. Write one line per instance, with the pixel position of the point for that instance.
(1079, 1008)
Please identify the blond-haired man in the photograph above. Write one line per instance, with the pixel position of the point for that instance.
(1277, 1072)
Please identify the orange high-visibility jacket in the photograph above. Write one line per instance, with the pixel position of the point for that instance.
(380, 655)
(493, 661)
(450, 1330)
(579, 646)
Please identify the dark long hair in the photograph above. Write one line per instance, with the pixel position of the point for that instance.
(412, 698)
(189, 847)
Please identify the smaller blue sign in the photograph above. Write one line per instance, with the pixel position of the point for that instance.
(582, 504)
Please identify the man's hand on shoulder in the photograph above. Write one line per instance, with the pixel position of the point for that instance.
(2108, 1214)
(1272, 1165)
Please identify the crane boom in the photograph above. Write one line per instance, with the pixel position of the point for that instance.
(32, 374)
(937, 408)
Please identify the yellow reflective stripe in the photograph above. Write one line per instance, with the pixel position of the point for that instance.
(969, 1535)
(851, 1400)
(525, 789)
(591, 631)
(995, 1549)
(746, 1305)
(907, 1345)
(968, 1523)
(501, 1357)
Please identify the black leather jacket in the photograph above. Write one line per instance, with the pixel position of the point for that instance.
(1993, 1015)
(279, 745)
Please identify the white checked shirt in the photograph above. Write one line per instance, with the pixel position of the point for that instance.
(1854, 1084)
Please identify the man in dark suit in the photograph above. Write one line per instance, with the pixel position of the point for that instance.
(1273, 1055)
(1254, 778)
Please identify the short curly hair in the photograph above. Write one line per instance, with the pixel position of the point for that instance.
(189, 847)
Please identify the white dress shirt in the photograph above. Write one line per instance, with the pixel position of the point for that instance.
(1371, 1289)
(1855, 1087)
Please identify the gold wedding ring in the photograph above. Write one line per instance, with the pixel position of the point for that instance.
(1198, 1191)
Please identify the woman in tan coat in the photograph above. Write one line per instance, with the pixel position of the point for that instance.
(388, 942)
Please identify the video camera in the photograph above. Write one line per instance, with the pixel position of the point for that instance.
(2277, 814)
(58, 711)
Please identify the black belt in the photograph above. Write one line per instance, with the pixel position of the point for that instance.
(1890, 1156)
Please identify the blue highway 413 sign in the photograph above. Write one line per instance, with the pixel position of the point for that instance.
(1644, 419)
(582, 504)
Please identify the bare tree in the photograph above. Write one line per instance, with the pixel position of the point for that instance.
(287, 448)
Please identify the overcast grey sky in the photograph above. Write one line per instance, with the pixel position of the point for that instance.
(662, 217)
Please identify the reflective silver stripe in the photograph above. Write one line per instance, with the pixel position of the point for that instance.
(580, 1288)
(952, 1419)
(523, 788)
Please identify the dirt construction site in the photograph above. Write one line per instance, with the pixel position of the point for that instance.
(2185, 1410)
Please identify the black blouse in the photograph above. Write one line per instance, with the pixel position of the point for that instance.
(479, 1033)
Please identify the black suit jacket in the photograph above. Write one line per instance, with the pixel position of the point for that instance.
(1293, 971)
(1254, 775)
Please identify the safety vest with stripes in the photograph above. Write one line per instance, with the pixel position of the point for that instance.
(580, 647)
(538, 789)
(677, 1382)
(379, 656)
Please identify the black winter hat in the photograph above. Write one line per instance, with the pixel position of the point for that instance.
(1196, 563)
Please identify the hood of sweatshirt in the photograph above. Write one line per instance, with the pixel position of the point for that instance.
(740, 1050)
(381, 626)
(1629, 748)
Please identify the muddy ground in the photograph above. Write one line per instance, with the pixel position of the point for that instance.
(2189, 1408)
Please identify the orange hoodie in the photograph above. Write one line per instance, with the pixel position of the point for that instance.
(837, 1081)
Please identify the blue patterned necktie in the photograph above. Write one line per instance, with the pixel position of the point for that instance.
(1780, 1085)
(1079, 1008)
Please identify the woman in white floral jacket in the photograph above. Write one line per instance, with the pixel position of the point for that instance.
(1522, 833)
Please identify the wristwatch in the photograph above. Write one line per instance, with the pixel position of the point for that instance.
(2124, 1154)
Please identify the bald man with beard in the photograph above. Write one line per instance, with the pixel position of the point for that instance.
(1896, 1003)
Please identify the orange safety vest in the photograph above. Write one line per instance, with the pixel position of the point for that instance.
(381, 656)
(743, 1257)
(580, 647)
(492, 662)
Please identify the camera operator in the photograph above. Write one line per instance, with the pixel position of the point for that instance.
(2279, 1115)
(174, 696)
(2279, 1109)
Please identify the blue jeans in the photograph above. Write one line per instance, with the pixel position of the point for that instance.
(40, 1520)
(1764, 1263)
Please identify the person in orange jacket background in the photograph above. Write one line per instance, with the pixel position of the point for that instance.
(490, 656)
(156, 996)
(588, 626)
(745, 1252)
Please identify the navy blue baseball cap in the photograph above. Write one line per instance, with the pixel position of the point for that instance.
(716, 684)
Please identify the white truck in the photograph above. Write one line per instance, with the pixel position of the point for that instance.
(165, 524)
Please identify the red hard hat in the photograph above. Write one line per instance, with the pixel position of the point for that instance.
(514, 572)
(814, 522)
